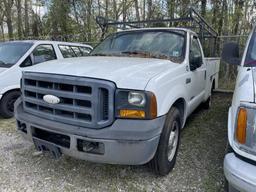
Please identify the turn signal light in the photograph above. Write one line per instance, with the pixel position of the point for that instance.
(241, 126)
(153, 106)
(128, 113)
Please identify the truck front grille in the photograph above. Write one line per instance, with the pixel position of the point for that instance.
(83, 102)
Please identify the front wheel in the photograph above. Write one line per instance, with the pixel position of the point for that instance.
(7, 104)
(165, 157)
(228, 187)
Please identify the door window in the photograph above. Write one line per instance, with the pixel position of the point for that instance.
(195, 51)
(67, 51)
(85, 50)
(77, 51)
(43, 53)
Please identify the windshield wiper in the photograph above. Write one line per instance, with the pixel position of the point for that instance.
(147, 54)
(2, 63)
(105, 54)
(136, 52)
(5, 65)
(99, 54)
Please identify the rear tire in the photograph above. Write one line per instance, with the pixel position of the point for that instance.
(208, 103)
(7, 104)
(165, 157)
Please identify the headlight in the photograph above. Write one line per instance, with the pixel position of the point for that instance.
(137, 98)
(245, 134)
(131, 104)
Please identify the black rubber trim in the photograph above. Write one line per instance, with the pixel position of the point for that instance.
(252, 162)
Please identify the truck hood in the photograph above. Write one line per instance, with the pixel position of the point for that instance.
(125, 72)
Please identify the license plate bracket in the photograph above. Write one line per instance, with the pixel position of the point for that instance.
(45, 146)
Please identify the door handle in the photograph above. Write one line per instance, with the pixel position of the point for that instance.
(188, 80)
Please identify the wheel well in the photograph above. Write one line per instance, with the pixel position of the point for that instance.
(180, 105)
(213, 85)
(10, 91)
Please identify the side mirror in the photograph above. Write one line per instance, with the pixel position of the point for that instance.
(29, 61)
(195, 62)
(230, 53)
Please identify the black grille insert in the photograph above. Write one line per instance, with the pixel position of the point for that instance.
(56, 138)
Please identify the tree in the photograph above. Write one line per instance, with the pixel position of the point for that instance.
(150, 4)
(19, 23)
(237, 15)
(26, 18)
(59, 17)
(137, 10)
(203, 8)
(8, 14)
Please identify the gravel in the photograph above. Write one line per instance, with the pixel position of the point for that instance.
(198, 167)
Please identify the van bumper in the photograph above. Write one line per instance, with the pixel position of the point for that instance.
(240, 174)
(130, 142)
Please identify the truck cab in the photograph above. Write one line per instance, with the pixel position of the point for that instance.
(239, 162)
(16, 56)
(126, 103)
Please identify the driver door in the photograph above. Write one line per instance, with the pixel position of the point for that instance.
(198, 75)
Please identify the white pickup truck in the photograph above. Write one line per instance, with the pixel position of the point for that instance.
(240, 160)
(17, 55)
(124, 104)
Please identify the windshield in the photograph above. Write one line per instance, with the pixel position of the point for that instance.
(11, 52)
(250, 60)
(156, 44)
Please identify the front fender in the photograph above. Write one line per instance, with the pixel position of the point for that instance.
(9, 88)
(166, 99)
(169, 99)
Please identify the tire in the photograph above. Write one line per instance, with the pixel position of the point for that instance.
(208, 103)
(228, 187)
(164, 159)
(7, 104)
(228, 148)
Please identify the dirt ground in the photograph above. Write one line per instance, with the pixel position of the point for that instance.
(198, 167)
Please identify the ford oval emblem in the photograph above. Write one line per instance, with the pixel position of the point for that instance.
(51, 99)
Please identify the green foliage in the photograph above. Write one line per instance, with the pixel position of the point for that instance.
(75, 19)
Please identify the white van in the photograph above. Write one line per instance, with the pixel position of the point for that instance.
(16, 55)
(240, 160)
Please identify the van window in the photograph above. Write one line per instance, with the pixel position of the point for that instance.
(43, 53)
(85, 50)
(77, 51)
(67, 51)
(11, 52)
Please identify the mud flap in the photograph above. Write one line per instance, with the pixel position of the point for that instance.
(43, 146)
